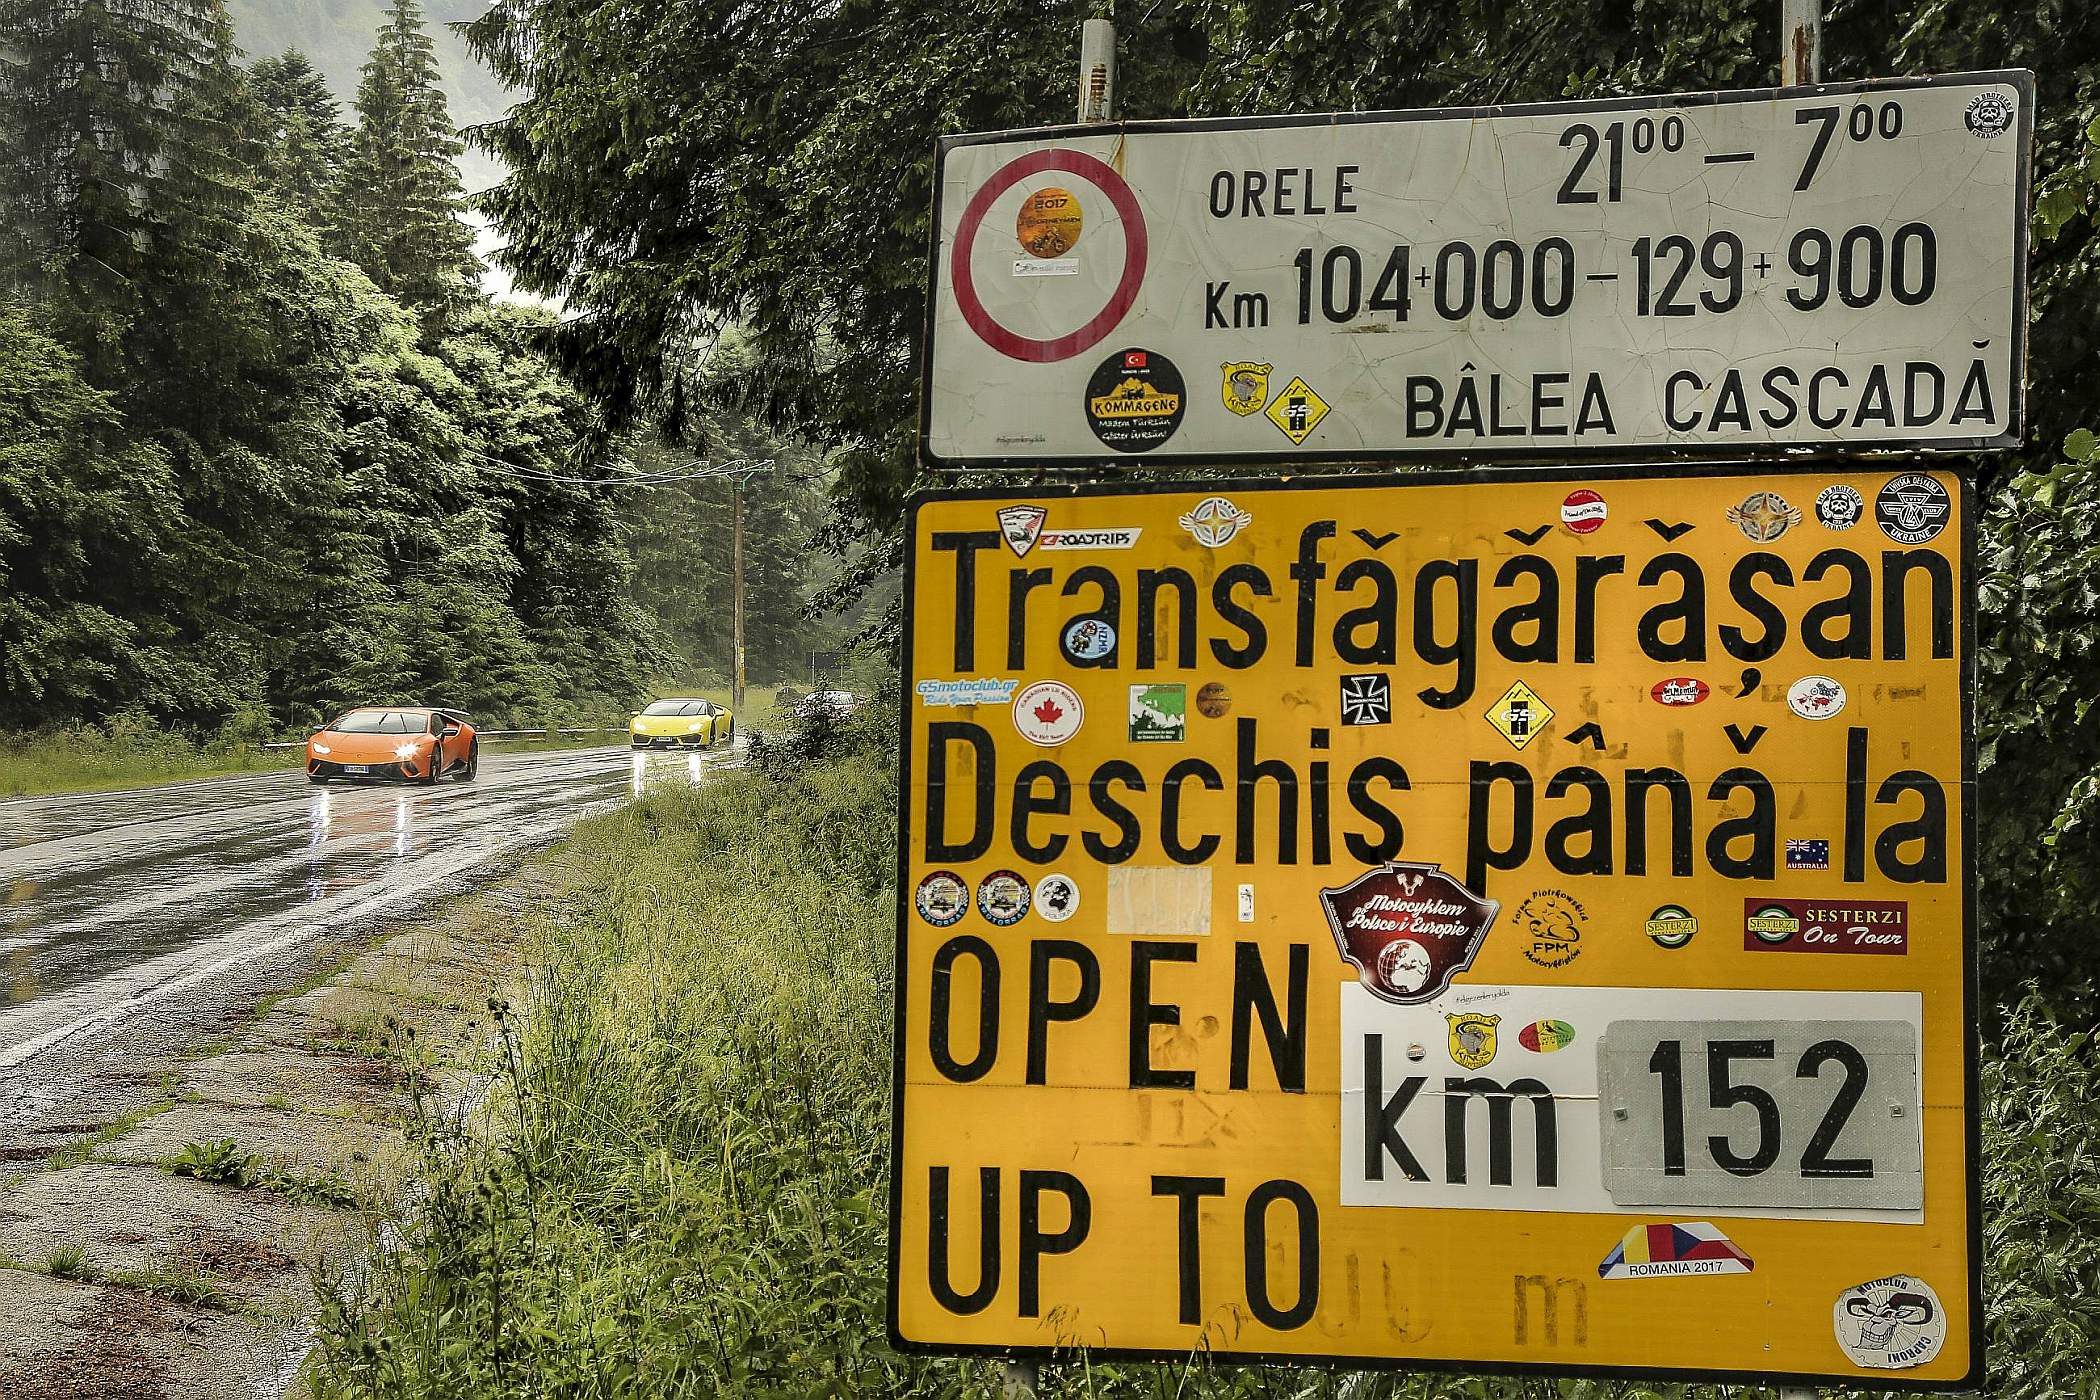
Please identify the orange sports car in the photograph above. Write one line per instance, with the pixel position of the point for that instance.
(394, 741)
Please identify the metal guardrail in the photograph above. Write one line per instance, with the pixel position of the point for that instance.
(481, 734)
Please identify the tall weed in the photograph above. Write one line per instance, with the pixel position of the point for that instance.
(130, 750)
(687, 1198)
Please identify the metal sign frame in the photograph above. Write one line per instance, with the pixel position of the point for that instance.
(2021, 79)
(1572, 475)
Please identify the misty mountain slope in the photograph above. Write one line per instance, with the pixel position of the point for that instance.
(337, 35)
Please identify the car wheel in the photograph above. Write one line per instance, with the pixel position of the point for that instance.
(466, 771)
(437, 763)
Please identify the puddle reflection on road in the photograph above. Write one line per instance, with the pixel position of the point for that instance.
(693, 770)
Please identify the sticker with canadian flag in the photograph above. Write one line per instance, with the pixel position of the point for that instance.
(1048, 713)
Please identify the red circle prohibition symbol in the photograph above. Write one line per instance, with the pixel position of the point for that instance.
(1135, 241)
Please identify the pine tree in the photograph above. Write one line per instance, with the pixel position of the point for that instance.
(400, 193)
(305, 145)
(109, 130)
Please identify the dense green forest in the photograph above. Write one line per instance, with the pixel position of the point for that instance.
(267, 447)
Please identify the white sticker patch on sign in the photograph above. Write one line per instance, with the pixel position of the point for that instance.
(1159, 900)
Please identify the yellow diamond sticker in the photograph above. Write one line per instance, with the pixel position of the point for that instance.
(1297, 410)
(1519, 715)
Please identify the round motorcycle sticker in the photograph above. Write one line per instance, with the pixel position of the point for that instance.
(1135, 400)
(1815, 697)
(1889, 1324)
(1987, 115)
(942, 898)
(1839, 507)
(1047, 713)
(1049, 223)
(1056, 897)
(1911, 509)
(1003, 898)
(1583, 511)
(1089, 639)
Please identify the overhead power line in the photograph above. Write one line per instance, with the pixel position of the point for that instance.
(739, 469)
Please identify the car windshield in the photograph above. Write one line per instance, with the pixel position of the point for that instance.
(677, 707)
(377, 722)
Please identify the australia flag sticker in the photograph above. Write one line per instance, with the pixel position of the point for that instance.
(1808, 855)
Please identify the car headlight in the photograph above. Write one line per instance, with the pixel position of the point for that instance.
(320, 748)
(635, 725)
(404, 750)
(692, 728)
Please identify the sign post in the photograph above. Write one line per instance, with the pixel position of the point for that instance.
(1512, 920)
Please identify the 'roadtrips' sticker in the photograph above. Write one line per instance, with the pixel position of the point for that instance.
(1889, 1324)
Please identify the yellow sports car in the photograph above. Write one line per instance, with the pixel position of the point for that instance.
(680, 724)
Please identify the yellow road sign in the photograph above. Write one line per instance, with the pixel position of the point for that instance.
(1501, 921)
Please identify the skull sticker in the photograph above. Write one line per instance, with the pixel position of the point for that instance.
(1890, 1324)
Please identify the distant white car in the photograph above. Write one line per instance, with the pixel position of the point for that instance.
(835, 703)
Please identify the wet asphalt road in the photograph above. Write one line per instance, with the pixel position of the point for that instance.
(134, 923)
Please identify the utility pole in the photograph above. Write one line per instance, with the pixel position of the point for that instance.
(736, 552)
(1800, 63)
(1097, 72)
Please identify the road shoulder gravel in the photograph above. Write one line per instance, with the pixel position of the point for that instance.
(172, 1247)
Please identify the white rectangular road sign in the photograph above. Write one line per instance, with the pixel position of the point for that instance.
(1837, 267)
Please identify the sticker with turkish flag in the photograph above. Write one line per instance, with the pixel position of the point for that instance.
(1135, 359)
(1048, 713)
(1407, 929)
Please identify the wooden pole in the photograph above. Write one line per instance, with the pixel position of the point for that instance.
(736, 551)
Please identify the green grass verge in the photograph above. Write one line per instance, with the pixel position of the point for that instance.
(688, 1197)
(92, 759)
